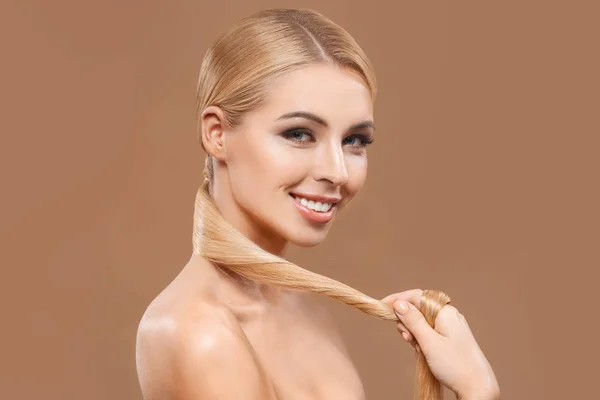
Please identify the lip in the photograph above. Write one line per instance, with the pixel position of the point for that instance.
(318, 197)
(312, 215)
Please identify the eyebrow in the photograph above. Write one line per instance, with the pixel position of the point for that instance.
(321, 121)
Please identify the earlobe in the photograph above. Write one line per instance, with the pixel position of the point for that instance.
(212, 126)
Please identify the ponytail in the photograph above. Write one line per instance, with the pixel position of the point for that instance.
(220, 243)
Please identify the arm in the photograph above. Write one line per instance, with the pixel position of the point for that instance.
(214, 362)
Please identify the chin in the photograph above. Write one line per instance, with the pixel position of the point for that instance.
(306, 243)
(309, 239)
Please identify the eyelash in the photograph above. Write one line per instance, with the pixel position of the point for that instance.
(365, 140)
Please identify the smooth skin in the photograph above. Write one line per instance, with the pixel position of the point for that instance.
(211, 335)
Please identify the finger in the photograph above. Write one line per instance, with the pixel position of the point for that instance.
(413, 296)
(405, 336)
(408, 338)
(450, 322)
(413, 343)
(412, 319)
(405, 332)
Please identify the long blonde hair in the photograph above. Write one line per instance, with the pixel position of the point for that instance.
(235, 76)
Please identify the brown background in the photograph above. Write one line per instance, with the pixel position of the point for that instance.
(483, 183)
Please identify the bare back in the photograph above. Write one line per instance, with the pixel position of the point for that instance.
(205, 336)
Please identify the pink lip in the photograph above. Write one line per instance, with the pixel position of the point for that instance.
(315, 216)
(317, 197)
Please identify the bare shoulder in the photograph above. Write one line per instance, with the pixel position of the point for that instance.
(196, 352)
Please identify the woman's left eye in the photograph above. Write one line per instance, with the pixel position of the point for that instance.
(358, 140)
(299, 135)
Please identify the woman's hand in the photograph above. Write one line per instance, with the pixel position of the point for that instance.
(453, 355)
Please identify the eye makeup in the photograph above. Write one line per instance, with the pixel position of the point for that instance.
(303, 136)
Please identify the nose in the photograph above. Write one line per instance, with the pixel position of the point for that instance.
(331, 166)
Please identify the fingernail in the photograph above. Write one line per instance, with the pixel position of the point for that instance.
(401, 307)
(405, 336)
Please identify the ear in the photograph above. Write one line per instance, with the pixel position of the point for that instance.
(213, 126)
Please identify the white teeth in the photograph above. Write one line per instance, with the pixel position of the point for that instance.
(317, 206)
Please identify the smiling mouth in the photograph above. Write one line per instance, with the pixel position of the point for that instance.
(309, 210)
(316, 206)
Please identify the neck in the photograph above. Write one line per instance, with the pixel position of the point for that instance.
(268, 293)
(233, 286)
(252, 230)
(245, 223)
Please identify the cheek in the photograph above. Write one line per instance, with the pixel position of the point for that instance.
(357, 174)
(261, 164)
(283, 164)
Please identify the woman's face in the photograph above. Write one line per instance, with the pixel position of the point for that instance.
(295, 162)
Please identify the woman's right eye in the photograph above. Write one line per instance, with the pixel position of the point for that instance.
(299, 135)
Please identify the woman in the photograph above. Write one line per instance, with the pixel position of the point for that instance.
(285, 114)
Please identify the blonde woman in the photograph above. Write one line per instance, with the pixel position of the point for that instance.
(285, 114)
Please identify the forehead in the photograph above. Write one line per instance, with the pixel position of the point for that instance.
(337, 95)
